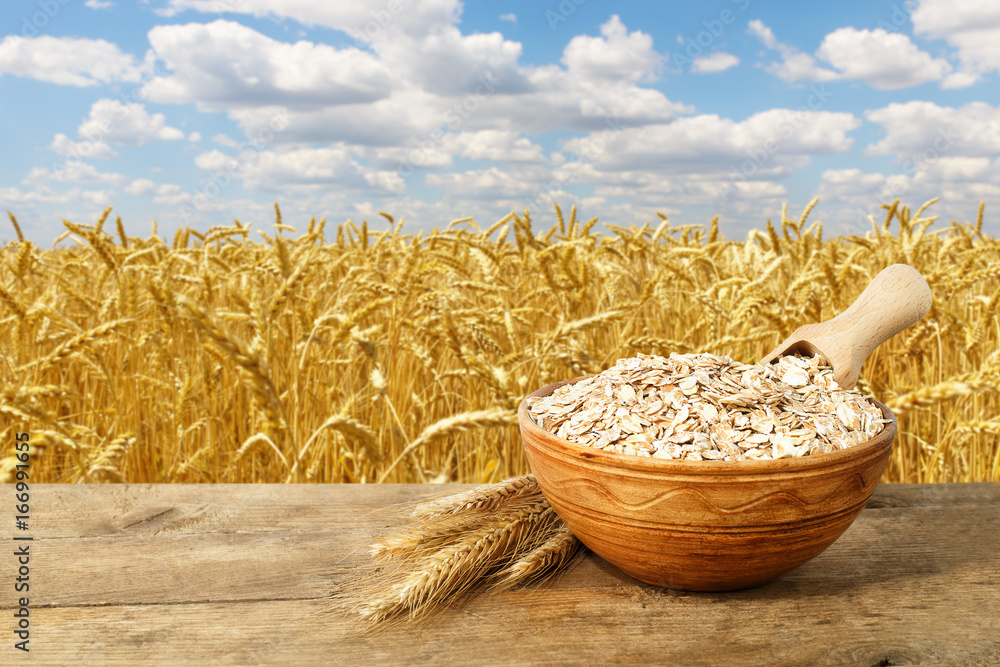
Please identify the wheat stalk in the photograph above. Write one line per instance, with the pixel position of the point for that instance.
(104, 464)
(351, 428)
(494, 535)
(17, 227)
(246, 359)
(12, 303)
(452, 570)
(403, 332)
(466, 421)
(926, 397)
(549, 557)
(481, 499)
(75, 344)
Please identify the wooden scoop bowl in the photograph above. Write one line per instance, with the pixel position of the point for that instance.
(895, 299)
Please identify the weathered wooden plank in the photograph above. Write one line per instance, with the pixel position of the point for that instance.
(902, 544)
(632, 624)
(150, 576)
(923, 495)
(76, 510)
(79, 510)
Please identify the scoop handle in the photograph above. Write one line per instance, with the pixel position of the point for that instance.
(896, 298)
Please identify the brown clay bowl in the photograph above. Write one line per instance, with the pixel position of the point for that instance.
(704, 525)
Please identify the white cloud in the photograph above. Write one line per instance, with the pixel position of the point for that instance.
(550, 98)
(72, 172)
(854, 186)
(15, 197)
(708, 142)
(110, 120)
(917, 128)
(215, 160)
(496, 145)
(959, 80)
(406, 159)
(619, 55)
(757, 28)
(418, 42)
(359, 18)
(225, 140)
(194, 137)
(170, 195)
(881, 59)
(447, 63)
(300, 167)
(66, 60)
(884, 60)
(970, 26)
(140, 186)
(955, 169)
(87, 150)
(165, 193)
(393, 121)
(938, 17)
(798, 67)
(492, 183)
(795, 65)
(700, 188)
(509, 17)
(98, 4)
(484, 145)
(223, 64)
(705, 162)
(715, 62)
(413, 82)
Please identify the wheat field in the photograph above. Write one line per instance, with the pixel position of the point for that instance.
(349, 355)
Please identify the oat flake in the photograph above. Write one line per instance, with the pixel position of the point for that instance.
(704, 407)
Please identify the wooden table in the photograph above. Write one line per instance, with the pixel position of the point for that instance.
(240, 574)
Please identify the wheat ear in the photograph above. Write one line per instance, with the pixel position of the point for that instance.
(455, 568)
(247, 360)
(77, 342)
(465, 421)
(925, 397)
(552, 555)
(481, 499)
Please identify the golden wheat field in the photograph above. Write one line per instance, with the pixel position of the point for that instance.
(343, 355)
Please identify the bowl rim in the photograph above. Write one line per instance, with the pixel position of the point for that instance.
(873, 446)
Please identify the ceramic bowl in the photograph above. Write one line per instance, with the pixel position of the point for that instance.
(704, 525)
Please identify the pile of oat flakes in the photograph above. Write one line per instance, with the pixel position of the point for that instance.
(706, 407)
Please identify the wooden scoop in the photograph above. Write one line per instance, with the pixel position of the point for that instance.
(895, 299)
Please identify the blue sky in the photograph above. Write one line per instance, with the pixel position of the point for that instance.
(196, 112)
